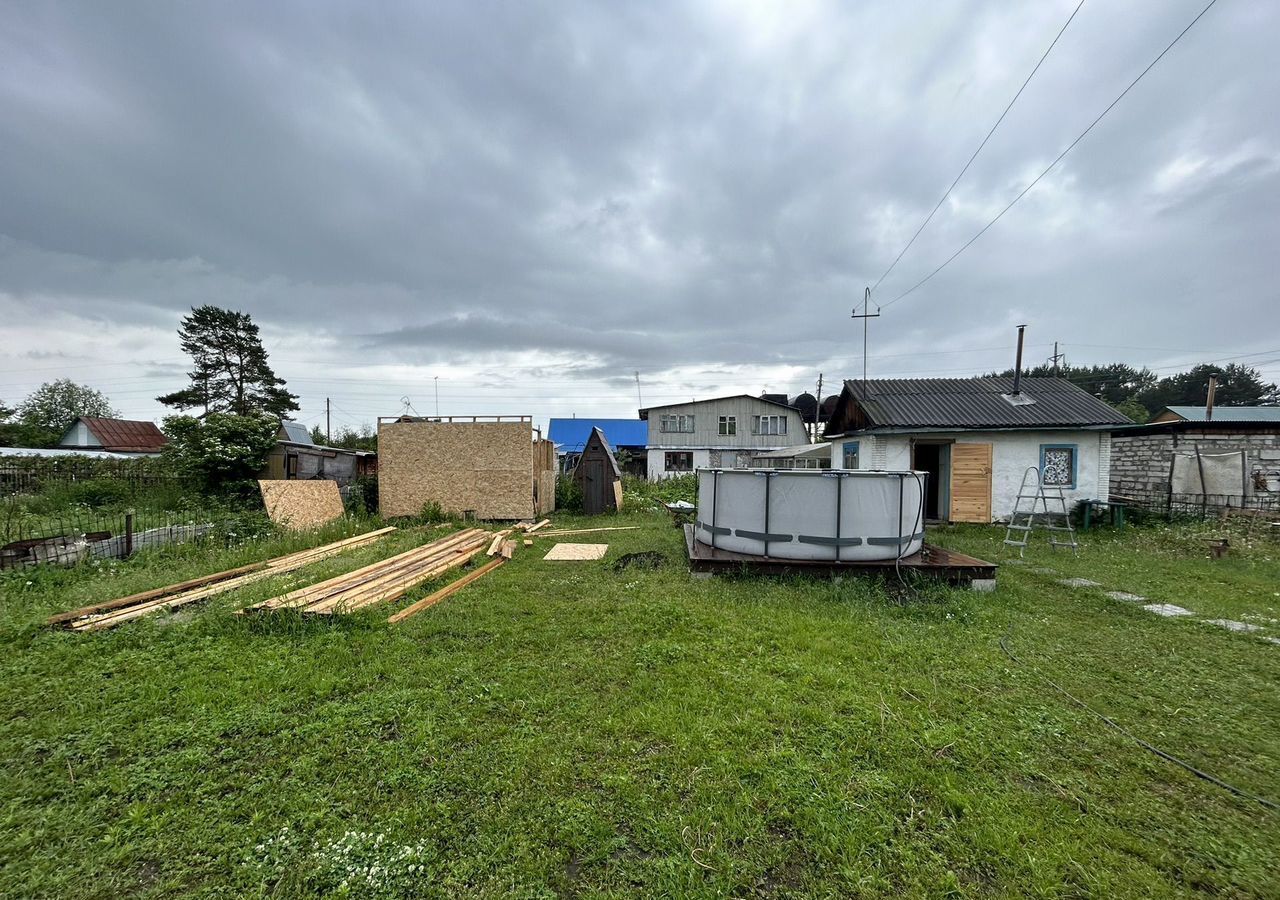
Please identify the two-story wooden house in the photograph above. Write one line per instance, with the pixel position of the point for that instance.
(725, 432)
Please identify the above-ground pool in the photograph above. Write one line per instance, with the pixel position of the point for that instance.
(832, 514)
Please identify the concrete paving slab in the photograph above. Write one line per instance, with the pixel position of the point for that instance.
(1230, 625)
(1078, 582)
(1167, 609)
(1126, 597)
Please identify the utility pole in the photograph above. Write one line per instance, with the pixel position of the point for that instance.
(866, 316)
(817, 409)
(1055, 358)
(639, 402)
(437, 383)
(328, 435)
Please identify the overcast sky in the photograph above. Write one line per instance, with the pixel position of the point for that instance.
(534, 201)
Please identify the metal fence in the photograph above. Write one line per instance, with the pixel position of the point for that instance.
(29, 474)
(1201, 506)
(74, 533)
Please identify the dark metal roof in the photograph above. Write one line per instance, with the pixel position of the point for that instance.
(126, 435)
(980, 403)
(1228, 414)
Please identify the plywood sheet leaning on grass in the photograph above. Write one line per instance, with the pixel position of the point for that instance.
(577, 551)
(299, 505)
(480, 467)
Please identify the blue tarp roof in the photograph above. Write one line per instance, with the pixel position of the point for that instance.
(570, 435)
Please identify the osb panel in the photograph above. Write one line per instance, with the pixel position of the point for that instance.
(544, 474)
(577, 551)
(299, 505)
(483, 467)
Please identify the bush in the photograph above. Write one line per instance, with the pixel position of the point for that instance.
(224, 453)
(433, 512)
(667, 490)
(362, 496)
(95, 492)
(568, 494)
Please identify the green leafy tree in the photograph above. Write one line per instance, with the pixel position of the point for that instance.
(56, 404)
(231, 373)
(1133, 409)
(14, 434)
(221, 452)
(317, 435)
(1237, 386)
(363, 439)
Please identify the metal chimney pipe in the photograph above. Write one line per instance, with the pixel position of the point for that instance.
(1213, 389)
(1017, 366)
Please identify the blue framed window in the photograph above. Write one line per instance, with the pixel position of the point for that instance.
(850, 454)
(1058, 465)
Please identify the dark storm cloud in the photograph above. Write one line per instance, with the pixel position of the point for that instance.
(578, 192)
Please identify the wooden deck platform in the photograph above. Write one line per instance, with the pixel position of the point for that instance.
(948, 565)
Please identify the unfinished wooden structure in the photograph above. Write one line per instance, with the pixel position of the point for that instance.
(598, 475)
(497, 467)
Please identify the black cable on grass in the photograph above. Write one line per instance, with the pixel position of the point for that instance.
(1165, 755)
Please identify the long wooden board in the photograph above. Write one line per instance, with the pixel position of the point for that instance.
(206, 586)
(305, 595)
(393, 589)
(446, 591)
(393, 584)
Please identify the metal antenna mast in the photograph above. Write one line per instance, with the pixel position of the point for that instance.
(1056, 358)
(865, 316)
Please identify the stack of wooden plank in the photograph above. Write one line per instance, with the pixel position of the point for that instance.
(386, 580)
(124, 609)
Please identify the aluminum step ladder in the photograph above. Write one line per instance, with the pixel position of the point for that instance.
(1047, 511)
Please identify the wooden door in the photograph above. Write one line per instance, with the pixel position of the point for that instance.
(970, 482)
(593, 486)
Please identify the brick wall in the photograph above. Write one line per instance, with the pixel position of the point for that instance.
(1140, 463)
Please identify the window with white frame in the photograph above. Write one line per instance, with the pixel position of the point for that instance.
(769, 425)
(679, 461)
(676, 424)
(728, 425)
(1058, 465)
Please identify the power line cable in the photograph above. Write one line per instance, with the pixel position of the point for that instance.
(1052, 165)
(938, 206)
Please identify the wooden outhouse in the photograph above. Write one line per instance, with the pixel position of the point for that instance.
(598, 475)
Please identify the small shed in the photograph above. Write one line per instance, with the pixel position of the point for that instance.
(129, 436)
(598, 475)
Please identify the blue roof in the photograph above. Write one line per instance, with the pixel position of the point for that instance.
(570, 435)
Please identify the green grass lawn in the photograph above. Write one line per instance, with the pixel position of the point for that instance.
(568, 729)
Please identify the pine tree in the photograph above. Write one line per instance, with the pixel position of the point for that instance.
(231, 373)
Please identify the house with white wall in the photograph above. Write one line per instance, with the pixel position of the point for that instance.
(726, 432)
(976, 437)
